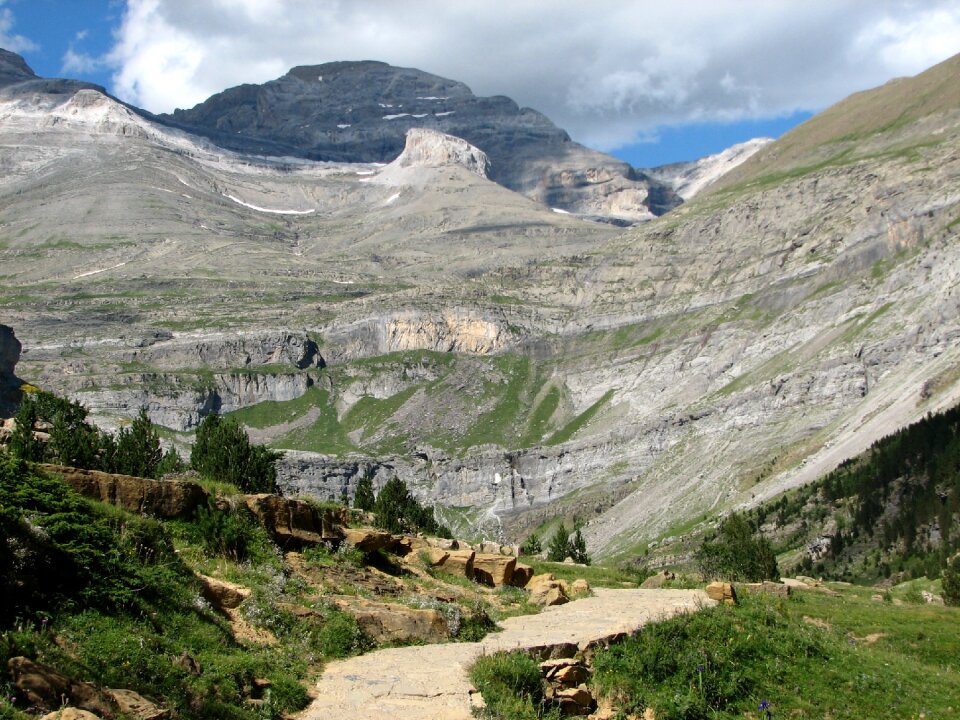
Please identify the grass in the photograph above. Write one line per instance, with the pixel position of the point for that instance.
(326, 434)
(539, 420)
(580, 421)
(596, 575)
(270, 413)
(510, 685)
(808, 657)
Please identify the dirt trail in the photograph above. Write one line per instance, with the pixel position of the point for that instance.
(429, 682)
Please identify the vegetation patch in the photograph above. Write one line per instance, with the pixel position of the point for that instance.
(580, 421)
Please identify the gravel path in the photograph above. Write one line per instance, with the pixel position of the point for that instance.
(429, 682)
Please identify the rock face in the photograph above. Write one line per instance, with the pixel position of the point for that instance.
(161, 498)
(385, 623)
(13, 69)
(44, 688)
(294, 523)
(361, 112)
(689, 178)
(431, 148)
(9, 357)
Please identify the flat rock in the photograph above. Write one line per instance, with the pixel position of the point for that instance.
(367, 539)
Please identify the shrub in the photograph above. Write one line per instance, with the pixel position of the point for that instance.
(951, 582)
(230, 533)
(736, 554)
(510, 685)
(222, 451)
(559, 548)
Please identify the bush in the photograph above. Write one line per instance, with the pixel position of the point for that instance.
(532, 545)
(951, 582)
(231, 533)
(510, 685)
(137, 449)
(736, 555)
(562, 546)
(222, 451)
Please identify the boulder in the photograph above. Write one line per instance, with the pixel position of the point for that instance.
(460, 563)
(406, 544)
(521, 575)
(564, 672)
(160, 498)
(223, 595)
(575, 701)
(443, 543)
(657, 581)
(929, 597)
(136, 706)
(722, 592)
(795, 583)
(294, 523)
(386, 623)
(367, 539)
(493, 570)
(546, 590)
(70, 713)
(488, 547)
(433, 556)
(45, 689)
(580, 587)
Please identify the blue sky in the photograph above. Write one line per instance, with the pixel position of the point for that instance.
(649, 82)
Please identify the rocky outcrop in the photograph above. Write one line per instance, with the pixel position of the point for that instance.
(362, 112)
(159, 498)
(493, 570)
(295, 523)
(223, 595)
(45, 689)
(10, 349)
(390, 623)
(434, 149)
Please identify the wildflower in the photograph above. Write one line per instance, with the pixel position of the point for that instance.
(765, 708)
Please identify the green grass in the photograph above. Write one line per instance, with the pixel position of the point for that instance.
(499, 425)
(596, 575)
(370, 413)
(539, 421)
(727, 661)
(326, 434)
(510, 685)
(580, 421)
(270, 413)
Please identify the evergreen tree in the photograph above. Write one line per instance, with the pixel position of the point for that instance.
(23, 444)
(736, 554)
(578, 548)
(222, 451)
(171, 462)
(532, 545)
(398, 511)
(560, 547)
(138, 449)
(951, 582)
(363, 498)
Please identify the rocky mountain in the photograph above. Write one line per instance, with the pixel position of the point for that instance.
(689, 178)
(512, 363)
(361, 112)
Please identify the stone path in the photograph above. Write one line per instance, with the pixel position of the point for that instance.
(429, 682)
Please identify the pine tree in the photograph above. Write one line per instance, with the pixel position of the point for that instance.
(138, 449)
(222, 451)
(363, 498)
(578, 548)
(559, 548)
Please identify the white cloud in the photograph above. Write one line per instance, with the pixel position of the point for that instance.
(8, 40)
(608, 71)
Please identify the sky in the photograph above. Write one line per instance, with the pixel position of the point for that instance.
(648, 81)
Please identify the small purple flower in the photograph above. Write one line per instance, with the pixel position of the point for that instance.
(700, 669)
(765, 708)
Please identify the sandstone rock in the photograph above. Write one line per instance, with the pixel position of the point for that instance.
(292, 522)
(493, 570)
(488, 547)
(722, 592)
(70, 713)
(160, 498)
(795, 583)
(406, 544)
(433, 556)
(656, 581)
(570, 676)
(443, 543)
(809, 581)
(367, 539)
(386, 623)
(546, 590)
(575, 701)
(460, 563)
(136, 706)
(223, 595)
(521, 575)
(45, 688)
(768, 587)
(929, 597)
(580, 587)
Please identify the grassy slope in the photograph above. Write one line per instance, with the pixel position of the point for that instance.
(825, 136)
(812, 656)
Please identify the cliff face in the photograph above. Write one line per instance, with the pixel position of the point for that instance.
(9, 357)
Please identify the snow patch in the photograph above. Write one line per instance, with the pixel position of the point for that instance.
(561, 211)
(392, 198)
(94, 272)
(432, 97)
(423, 115)
(444, 114)
(394, 117)
(345, 125)
(267, 210)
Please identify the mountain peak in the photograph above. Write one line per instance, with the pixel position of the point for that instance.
(14, 69)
